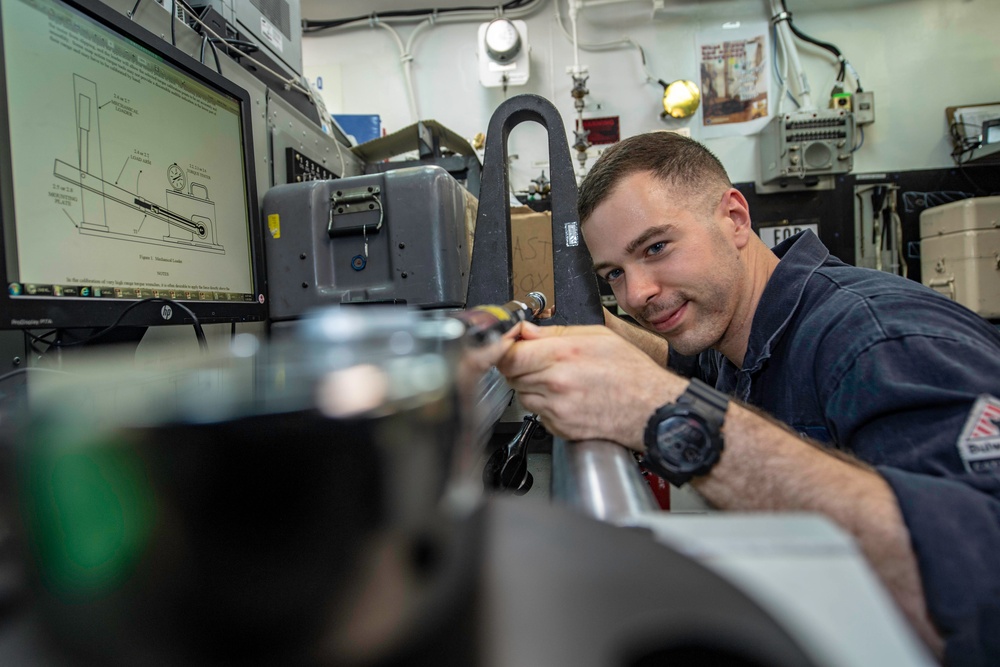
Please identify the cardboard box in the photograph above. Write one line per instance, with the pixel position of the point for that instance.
(531, 252)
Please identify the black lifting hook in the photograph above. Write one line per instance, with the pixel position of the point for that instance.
(577, 298)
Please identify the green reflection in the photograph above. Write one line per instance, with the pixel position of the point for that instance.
(89, 508)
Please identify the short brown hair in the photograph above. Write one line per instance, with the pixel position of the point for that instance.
(676, 159)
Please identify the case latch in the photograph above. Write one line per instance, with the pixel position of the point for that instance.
(355, 200)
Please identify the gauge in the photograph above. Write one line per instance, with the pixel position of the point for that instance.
(176, 177)
(503, 41)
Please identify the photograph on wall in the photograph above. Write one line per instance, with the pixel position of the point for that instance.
(735, 63)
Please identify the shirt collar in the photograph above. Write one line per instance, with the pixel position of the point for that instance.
(801, 255)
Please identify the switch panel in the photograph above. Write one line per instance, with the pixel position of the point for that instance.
(803, 145)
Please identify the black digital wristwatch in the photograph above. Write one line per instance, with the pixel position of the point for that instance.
(684, 439)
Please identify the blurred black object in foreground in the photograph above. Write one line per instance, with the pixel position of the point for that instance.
(308, 503)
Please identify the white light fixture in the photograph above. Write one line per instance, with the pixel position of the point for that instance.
(503, 53)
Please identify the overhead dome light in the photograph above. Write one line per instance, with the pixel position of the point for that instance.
(503, 42)
(504, 53)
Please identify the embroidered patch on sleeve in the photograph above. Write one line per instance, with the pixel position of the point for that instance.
(979, 444)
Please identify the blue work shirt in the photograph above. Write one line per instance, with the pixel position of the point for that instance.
(892, 372)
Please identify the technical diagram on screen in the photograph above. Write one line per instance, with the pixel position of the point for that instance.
(128, 174)
(188, 212)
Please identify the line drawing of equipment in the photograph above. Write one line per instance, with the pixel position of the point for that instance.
(190, 216)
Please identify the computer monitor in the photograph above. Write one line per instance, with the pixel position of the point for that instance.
(126, 173)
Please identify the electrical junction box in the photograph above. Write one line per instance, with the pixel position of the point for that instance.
(504, 53)
(960, 253)
(863, 107)
(403, 236)
(807, 144)
(861, 104)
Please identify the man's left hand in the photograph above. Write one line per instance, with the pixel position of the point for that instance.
(586, 382)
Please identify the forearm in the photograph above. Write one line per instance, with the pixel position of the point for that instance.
(765, 467)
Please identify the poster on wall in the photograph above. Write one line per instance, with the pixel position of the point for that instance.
(735, 64)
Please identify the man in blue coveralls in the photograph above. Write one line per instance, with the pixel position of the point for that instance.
(820, 386)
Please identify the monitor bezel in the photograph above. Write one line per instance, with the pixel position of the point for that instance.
(33, 313)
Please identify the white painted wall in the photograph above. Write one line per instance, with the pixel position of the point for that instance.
(918, 56)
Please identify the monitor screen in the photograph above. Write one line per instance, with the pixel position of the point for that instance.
(126, 173)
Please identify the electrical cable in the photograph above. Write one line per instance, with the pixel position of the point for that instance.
(607, 46)
(311, 25)
(782, 74)
(135, 7)
(241, 46)
(845, 66)
(812, 40)
(777, 71)
(31, 369)
(854, 74)
(405, 59)
(291, 83)
(781, 19)
(198, 331)
(215, 53)
(963, 142)
(428, 17)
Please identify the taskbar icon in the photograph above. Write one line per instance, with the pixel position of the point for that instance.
(34, 289)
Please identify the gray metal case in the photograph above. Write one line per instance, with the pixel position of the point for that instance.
(420, 254)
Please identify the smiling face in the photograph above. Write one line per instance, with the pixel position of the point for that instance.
(673, 258)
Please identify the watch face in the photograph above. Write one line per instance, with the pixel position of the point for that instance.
(684, 442)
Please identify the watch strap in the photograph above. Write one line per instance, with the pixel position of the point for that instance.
(710, 403)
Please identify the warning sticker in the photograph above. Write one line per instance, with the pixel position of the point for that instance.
(979, 443)
(602, 130)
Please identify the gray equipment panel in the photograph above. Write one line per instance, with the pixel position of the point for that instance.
(274, 25)
(805, 144)
(415, 223)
